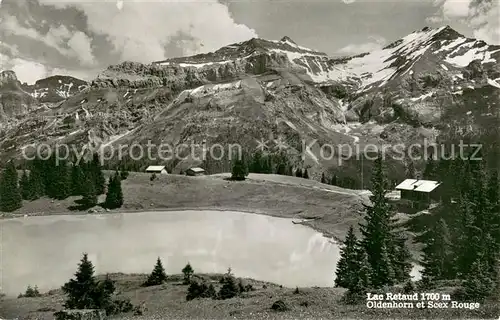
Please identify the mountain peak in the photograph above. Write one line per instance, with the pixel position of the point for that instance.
(287, 39)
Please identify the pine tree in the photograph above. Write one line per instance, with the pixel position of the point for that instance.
(281, 169)
(333, 182)
(438, 251)
(77, 180)
(62, 181)
(50, 176)
(298, 173)
(84, 291)
(479, 285)
(10, 196)
(377, 230)
(188, 272)
(157, 276)
(400, 258)
(229, 288)
(467, 242)
(430, 171)
(256, 165)
(306, 174)
(25, 186)
(89, 198)
(114, 196)
(347, 267)
(493, 198)
(239, 170)
(36, 179)
(410, 172)
(97, 175)
(323, 179)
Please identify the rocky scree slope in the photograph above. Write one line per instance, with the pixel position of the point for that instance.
(433, 83)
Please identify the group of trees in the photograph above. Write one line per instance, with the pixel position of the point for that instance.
(265, 163)
(464, 240)
(461, 239)
(198, 288)
(59, 179)
(380, 257)
(229, 288)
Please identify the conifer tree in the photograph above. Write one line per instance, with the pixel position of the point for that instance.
(114, 196)
(410, 172)
(256, 165)
(89, 198)
(77, 180)
(188, 272)
(239, 170)
(323, 179)
(333, 181)
(25, 186)
(347, 267)
(62, 181)
(10, 196)
(36, 180)
(438, 254)
(467, 244)
(400, 258)
(376, 229)
(306, 174)
(479, 285)
(430, 171)
(298, 173)
(157, 276)
(50, 176)
(97, 175)
(229, 288)
(281, 169)
(84, 291)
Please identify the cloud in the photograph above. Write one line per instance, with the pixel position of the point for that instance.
(375, 43)
(74, 35)
(482, 16)
(140, 30)
(67, 43)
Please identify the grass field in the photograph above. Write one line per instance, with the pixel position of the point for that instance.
(168, 301)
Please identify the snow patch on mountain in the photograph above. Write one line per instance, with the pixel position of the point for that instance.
(475, 53)
(493, 83)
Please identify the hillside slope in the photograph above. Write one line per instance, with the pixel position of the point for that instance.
(433, 84)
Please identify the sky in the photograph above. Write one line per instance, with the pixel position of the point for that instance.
(40, 38)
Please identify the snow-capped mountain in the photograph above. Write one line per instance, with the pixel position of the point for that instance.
(433, 84)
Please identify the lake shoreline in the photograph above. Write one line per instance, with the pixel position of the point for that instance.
(301, 221)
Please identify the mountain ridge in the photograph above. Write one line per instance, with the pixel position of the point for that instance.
(268, 88)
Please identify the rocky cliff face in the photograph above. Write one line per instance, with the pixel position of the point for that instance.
(433, 84)
(56, 88)
(14, 100)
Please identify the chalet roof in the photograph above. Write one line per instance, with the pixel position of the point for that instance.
(418, 185)
(155, 168)
(197, 169)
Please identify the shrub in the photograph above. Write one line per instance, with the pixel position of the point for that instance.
(409, 287)
(200, 290)
(124, 175)
(229, 288)
(279, 305)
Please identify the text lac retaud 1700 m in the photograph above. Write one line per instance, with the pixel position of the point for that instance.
(428, 300)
